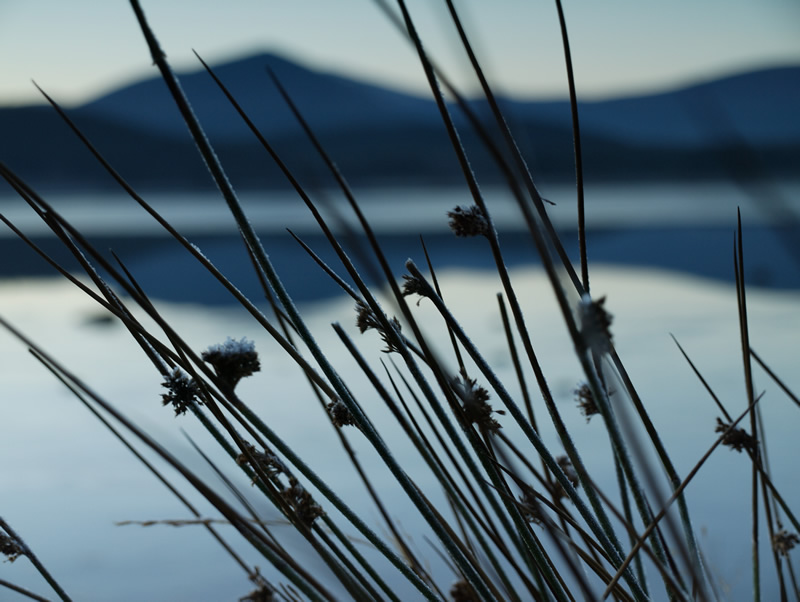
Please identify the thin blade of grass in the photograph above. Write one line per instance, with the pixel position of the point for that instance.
(741, 299)
(22, 591)
(303, 581)
(646, 533)
(33, 559)
(576, 142)
(604, 535)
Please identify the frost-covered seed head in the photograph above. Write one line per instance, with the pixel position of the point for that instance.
(233, 360)
(181, 391)
(468, 221)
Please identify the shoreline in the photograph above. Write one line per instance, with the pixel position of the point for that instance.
(168, 272)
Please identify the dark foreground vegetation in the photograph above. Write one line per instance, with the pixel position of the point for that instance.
(520, 521)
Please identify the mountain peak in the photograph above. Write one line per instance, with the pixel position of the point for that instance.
(253, 63)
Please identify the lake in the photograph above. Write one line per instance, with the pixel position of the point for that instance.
(661, 255)
(683, 227)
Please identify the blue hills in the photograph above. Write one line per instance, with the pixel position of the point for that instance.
(738, 126)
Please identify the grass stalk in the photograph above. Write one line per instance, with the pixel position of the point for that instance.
(741, 300)
(254, 244)
(611, 545)
(33, 559)
(653, 524)
(576, 143)
(501, 525)
(22, 591)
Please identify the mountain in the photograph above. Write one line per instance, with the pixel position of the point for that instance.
(333, 102)
(758, 107)
(745, 124)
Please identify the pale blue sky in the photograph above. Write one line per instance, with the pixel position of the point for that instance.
(77, 49)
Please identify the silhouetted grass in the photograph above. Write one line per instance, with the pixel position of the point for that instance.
(520, 522)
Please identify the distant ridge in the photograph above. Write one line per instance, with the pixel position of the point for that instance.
(334, 101)
(383, 137)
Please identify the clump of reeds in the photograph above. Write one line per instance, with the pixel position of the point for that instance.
(521, 522)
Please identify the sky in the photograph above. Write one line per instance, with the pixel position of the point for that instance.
(81, 49)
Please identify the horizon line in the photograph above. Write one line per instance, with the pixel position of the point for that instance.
(626, 92)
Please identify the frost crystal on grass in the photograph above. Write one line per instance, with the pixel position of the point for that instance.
(233, 360)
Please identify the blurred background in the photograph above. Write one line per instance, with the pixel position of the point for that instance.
(687, 112)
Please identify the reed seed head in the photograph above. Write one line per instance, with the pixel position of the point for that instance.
(366, 320)
(530, 508)
(340, 414)
(390, 340)
(181, 391)
(10, 548)
(413, 286)
(262, 594)
(475, 404)
(233, 360)
(300, 499)
(783, 541)
(569, 471)
(295, 494)
(595, 323)
(586, 401)
(365, 317)
(463, 592)
(468, 221)
(565, 464)
(738, 439)
(268, 462)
